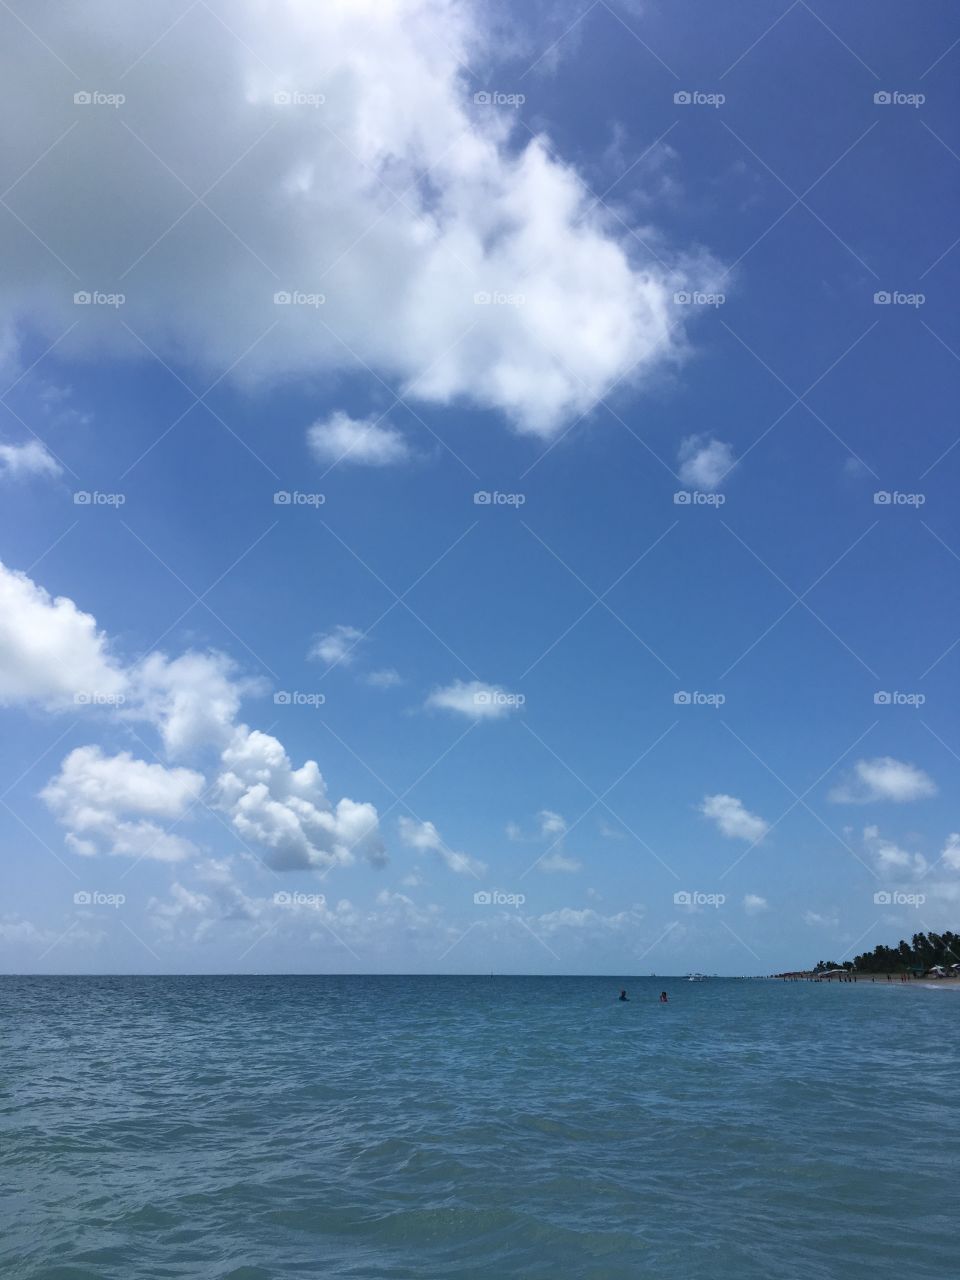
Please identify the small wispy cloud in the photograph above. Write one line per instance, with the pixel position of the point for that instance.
(364, 441)
(475, 699)
(732, 818)
(336, 646)
(705, 462)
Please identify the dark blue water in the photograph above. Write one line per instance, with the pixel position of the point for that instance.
(427, 1128)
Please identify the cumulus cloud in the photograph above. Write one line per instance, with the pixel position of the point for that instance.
(111, 804)
(424, 837)
(365, 441)
(732, 818)
(356, 178)
(336, 647)
(287, 811)
(753, 904)
(704, 462)
(193, 699)
(51, 653)
(475, 699)
(29, 459)
(884, 778)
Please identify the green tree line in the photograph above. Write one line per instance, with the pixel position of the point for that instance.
(924, 950)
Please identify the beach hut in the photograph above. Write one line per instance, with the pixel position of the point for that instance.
(937, 971)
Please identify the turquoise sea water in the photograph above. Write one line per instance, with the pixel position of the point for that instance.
(427, 1128)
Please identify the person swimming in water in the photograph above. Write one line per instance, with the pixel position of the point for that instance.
(663, 998)
(623, 995)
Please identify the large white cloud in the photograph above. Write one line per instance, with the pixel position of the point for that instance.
(193, 699)
(456, 255)
(50, 652)
(112, 804)
(287, 811)
(884, 778)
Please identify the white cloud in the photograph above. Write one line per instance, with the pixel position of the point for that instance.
(732, 818)
(425, 837)
(330, 198)
(366, 441)
(753, 904)
(336, 646)
(193, 699)
(587, 919)
(50, 652)
(552, 824)
(890, 859)
(951, 851)
(385, 678)
(111, 803)
(884, 778)
(287, 811)
(817, 919)
(14, 929)
(704, 463)
(29, 459)
(476, 699)
(558, 861)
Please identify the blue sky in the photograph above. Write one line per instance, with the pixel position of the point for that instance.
(583, 697)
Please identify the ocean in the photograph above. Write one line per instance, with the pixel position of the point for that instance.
(251, 1128)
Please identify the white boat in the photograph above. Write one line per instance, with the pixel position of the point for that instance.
(696, 977)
